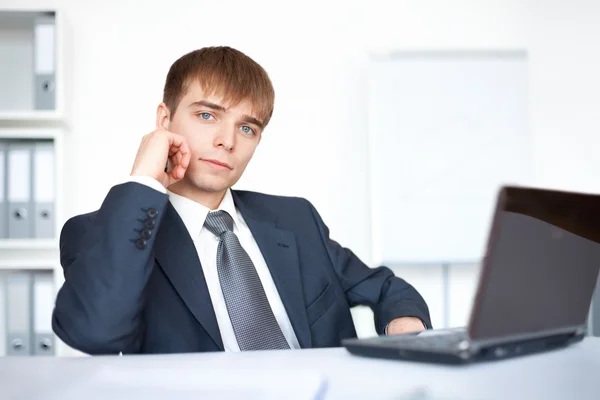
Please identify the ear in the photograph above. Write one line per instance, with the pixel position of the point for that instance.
(163, 117)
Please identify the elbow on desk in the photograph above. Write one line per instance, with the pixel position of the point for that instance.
(94, 339)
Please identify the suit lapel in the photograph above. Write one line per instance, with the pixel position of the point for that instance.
(177, 256)
(278, 247)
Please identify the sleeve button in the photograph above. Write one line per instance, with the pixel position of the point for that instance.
(150, 223)
(145, 234)
(140, 244)
(152, 212)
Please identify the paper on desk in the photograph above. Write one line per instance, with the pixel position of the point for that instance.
(129, 383)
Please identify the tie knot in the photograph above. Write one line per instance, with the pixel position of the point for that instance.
(218, 222)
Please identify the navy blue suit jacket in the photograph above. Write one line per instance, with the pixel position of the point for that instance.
(134, 283)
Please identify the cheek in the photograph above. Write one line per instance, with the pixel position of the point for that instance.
(198, 143)
(196, 134)
(195, 146)
(246, 154)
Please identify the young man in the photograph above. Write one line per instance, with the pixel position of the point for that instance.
(176, 261)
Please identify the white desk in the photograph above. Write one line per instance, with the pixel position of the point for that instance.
(563, 374)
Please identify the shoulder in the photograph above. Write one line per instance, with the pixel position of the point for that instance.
(287, 210)
(261, 200)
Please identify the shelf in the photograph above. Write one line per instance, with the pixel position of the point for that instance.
(37, 265)
(30, 115)
(29, 133)
(29, 254)
(29, 244)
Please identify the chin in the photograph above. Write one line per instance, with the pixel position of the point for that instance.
(212, 186)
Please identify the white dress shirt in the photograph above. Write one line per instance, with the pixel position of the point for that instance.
(193, 215)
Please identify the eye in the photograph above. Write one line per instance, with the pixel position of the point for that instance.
(205, 115)
(246, 129)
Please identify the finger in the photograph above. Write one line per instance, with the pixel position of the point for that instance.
(173, 176)
(176, 171)
(186, 154)
(180, 172)
(177, 161)
(179, 145)
(174, 150)
(181, 158)
(175, 140)
(186, 157)
(178, 156)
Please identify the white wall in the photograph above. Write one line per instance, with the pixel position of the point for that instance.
(118, 52)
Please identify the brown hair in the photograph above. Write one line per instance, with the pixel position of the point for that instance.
(224, 71)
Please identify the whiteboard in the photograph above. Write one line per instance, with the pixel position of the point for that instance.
(445, 131)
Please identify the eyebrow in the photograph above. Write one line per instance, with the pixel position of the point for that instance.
(204, 103)
(246, 118)
(251, 120)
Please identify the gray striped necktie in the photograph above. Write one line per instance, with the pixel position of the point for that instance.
(253, 321)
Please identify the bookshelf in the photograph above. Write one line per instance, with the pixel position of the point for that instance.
(31, 112)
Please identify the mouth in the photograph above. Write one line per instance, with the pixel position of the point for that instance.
(217, 164)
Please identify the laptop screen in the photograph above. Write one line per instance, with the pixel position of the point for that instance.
(542, 263)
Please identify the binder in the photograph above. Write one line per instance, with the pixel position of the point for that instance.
(19, 190)
(18, 321)
(594, 318)
(44, 189)
(45, 65)
(2, 315)
(43, 300)
(3, 202)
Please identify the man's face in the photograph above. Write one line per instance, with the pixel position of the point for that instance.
(222, 138)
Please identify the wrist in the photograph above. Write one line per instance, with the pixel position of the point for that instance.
(142, 173)
(148, 181)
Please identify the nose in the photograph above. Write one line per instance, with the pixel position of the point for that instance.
(226, 138)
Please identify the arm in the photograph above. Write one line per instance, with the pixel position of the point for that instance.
(106, 268)
(388, 296)
(107, 258)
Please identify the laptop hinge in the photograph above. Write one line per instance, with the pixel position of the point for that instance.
(575, 331)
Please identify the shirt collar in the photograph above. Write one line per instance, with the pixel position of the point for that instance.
(194, 214)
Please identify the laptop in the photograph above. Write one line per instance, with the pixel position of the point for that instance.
(535, 287)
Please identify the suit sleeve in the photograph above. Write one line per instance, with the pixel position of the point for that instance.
(388, 296)
(107, 259)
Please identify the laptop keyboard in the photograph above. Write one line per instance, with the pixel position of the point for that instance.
(446, 340)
